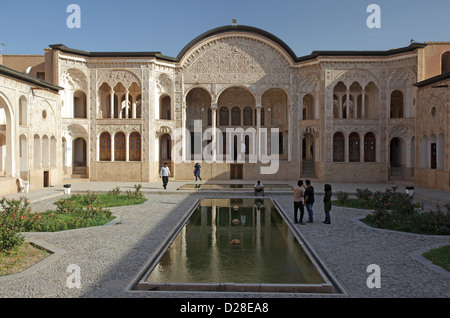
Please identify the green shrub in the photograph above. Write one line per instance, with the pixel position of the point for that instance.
(137, 194)
(342, 197)
(364, 194)
(396, 211)
(13, 215)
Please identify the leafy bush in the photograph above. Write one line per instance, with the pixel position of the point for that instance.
(137, 194)
(396, 211)
(342, 197)
(13, 215)
(364, 194)
(115, 191)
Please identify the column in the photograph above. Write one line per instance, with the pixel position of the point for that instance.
(258, 127)
(133, 107)
(340, 106)
(346, 148)
(112, 104)
(347, 112)
(113, 146)
(363, 106)
(127, 148)
(214, 127)
(183, 132)
(127, 100)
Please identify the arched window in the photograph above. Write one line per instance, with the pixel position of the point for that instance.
(248, 116)
(135, 147)
(223, 117)
(396, 104)
(445, 66)
(262, 117)
(36, 150)
(79, 105)
(369, 148)
(353, 147)
(23, 111)
(336, 110)
(165, 109)
(338, 147)
(120, 147)
(308, 107)
(105, 147)
(236, 116)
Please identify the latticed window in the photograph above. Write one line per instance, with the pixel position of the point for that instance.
(353, 147)
(223, 116)
(248, 116)
(120, 147)
(105, 147)
(338, 147)
(369, 148)
(236, 116)
(135, 147)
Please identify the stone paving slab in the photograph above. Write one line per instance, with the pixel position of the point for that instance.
(111, 256)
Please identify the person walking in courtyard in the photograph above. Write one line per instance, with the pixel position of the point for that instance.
(309, 200)
(327, 203)
(298, 204)
(165, 174)
(197, 172)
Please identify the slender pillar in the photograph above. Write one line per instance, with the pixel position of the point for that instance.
(363, 106)
(347, 108)
(213, 135)
(113, 146)
(183, 133)
(112, 104)
(127, 100)
(258, 127)
(127, 148)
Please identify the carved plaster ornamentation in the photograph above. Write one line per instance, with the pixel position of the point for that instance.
(236, 60)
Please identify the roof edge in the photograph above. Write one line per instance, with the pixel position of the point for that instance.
(433, 80)
(29, 79)
(236, 28)
(65, 49)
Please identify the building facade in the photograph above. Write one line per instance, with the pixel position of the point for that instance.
(238, 100)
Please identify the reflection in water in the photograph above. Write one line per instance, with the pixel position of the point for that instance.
(240, 241)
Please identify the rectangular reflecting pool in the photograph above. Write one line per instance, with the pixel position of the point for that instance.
(235, 245)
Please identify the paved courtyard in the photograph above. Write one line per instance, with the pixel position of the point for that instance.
(110, 257)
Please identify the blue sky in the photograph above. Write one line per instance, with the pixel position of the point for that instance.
(29, 26)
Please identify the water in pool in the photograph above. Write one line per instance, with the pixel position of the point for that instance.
(235, 241)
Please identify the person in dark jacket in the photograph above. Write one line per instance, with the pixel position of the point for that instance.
(327, 203)
(197, 172)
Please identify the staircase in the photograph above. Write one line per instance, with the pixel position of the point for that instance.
(79, 172)
(396, 173)
(308, 169)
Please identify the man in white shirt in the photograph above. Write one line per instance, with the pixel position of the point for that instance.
(165, 174)
(259, 188)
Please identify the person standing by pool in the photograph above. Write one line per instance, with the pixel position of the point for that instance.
(309, 200)
(197, 172)
(327, 203)
(165, 174)
(259, 187)
(298, 204)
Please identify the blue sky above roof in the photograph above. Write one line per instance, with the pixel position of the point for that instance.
(27, 27)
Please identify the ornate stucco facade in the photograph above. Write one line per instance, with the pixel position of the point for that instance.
(338, 116)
